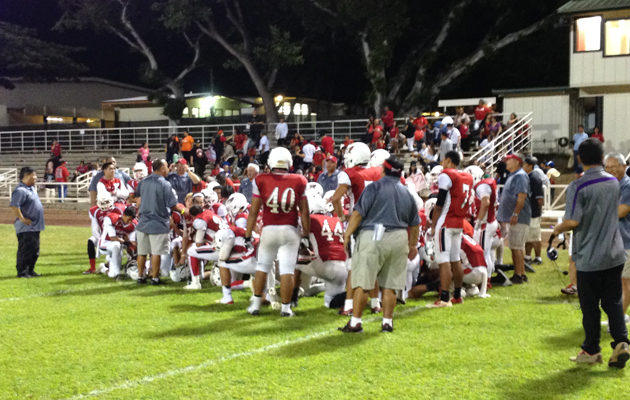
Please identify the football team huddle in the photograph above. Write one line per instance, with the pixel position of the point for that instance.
(291, 235)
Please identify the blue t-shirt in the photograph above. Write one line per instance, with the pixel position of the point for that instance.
(624, 223)
(387, 202)
(157, 198)
(182, 185)
(578, 138)
(517, 182)
(26, 199)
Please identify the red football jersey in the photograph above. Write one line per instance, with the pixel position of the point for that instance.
(490, 214)
(211, 223)
(220, 210)
(100, 215)
(114, 217)
(473, 252)
(241, 251)
(112, 185)
(457, 204)
(357, 184)
(280, 194)
(240, 220)
(132, 185)
(123, 229)
(328, 232)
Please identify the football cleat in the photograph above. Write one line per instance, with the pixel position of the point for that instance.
(345, 313)
(287, 314)
(440, 304)
(457, 301)
(349, 329)
(376, 310)
(385, 328)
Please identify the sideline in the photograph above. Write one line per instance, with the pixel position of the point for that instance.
(64, 291)
(209, 363)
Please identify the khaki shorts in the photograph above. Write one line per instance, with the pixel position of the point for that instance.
(533, 234)
(626, 267)
(517, 235)
(154, 244)
(384, 260)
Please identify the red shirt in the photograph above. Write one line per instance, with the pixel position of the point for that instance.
(209, 221)
(56, 150)
(328, 144)
(463, 130)
(99, 215)
(132, 186)
(61, 174)
(347, 142)
(473, 252)
(394, 132)
(380, 144)
(149, 165)
(239, 141)
(280, 195)
(123, 229)
(456, 206)
(318, 158)
(199, 187)
(418, 135)
(388, 118)
(490, 214)
(598, 136)
(481, 112)
(328, 232)
(215, 171)
(420, 122)
(82, 169)
(376, 135)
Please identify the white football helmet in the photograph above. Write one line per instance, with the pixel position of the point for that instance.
(356, 154)
(280, 157)
(215, 276)
(447, 120)
(428, 207)
(212, 185)
(132, 270)
(179, 274)
(314, 188)
(210, 197)
(437, 170)
(476, 172)
(472, 291)
(329, 207)
(316, 204)
(236, 204)
(105, 201)
(140, 171)
(378, 157)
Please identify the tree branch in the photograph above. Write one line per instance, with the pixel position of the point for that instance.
(272, 78)
(144, 48)
(238, 23)
(193, 64)
(322, 8)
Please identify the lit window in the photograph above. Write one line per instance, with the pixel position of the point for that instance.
(236, 112)
(228, 113)
(618, 37)
(195, 113)
(297, 109)
(185, 112)
(304, 109)
(286, 108)
(588, 34)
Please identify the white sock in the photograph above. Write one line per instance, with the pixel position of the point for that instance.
(375, 302)
(227, 292)
(256, 301)
(528, 258)
(538, 258)
(348, 305)
(388, 321)
(286, 308)
(354, 321)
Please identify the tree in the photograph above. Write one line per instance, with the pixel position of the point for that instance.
(23, 55)
(124, 18)
(438, 43)
(230, 25)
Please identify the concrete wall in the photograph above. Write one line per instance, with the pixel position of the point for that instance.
(550, 118)
(141, 114)
(616, 128)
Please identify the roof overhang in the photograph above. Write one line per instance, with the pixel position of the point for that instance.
(586, 6)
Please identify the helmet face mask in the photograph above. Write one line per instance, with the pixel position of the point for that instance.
(105, 202)
(330, 208)
(140, 171)
(236, 204)
(210, 197)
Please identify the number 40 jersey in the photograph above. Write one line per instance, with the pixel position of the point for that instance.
(280, 195)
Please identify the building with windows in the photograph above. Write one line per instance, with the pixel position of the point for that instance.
(599, 83)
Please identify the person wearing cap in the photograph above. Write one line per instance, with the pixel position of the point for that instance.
(182, 179)
(246, 187)
(61, 175)
(592, 212)
(385, 224)
(446, 145)
(328, 179)
(537, 199)
(515, 213)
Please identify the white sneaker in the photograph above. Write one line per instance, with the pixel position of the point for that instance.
(253, 309)
(195, 284)
(227, 300)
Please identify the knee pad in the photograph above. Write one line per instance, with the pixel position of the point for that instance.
(91, 249)
(263, 268)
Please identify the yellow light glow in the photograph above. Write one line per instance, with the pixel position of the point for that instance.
(89, 120)
(54, 119)
(437, 114)
(279, 98)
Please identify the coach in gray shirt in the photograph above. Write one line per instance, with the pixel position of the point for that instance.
(592, 213)
(155, 200)
(246, 187)
(515, 213)
(328, 179)
(124, 178)
(380, 221)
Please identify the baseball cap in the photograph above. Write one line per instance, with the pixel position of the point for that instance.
(182, 161)
(551, 164)
(332, 158)
(515, 156)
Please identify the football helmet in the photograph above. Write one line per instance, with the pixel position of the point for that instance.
(428, 207)
(105, 201)
(378, 157)
(356, 154)
(212, 185)
(210, 197)
(476, 172)
(215, 276)
(280, 157)
(140, 171)
(316, 204)
(132, 270)
(179, 274)
(314, 188)
(236, 204)
(437, 170)
(329, 207)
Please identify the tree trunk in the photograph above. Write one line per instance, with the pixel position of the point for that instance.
(377, 77)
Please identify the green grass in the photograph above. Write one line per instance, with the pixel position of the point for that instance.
(66, 334)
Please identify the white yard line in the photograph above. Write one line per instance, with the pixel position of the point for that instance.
(209, 363)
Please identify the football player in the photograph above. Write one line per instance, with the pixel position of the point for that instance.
(351, 182)
(237, 210)
(283, 196)
(109, 243)
(474, 265)
(126, 231)
(115, 187)
(140, 172)
(211, 202)
(486, 222)
(235, 254)
(447, 226)
(206, 225)
(104, 205)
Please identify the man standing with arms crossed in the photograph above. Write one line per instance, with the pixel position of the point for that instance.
(592, 213)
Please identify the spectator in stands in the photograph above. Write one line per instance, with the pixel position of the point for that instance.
(187, 147)
(282, 130)
(597, 134)
(242, 161)
(182, 179)
(328, 179)
(394, 139)
(256, 125)
(219, 144)
(296, 140)
(228, 151)
(144, 151)
(377, 133)
(298, 158)
(199, 160)
(328, 145)
(224, 180)
(246, 187)
(49, 176)
(149, 164)
(445, 145)
(480, 115)
(461, 117)
(454, 135)
(512, 121)
(55, 149)
(388, 120)
(464, 130)
(495, 127)
(578, 138)
(239, 141)
(420, 122)
(309, 152)
(433, 133)
(264, 148)
(61, 175)
(29, 222)
(319, 157)
(172, 148)
(347, 141)
(410, 132)
(82, 168)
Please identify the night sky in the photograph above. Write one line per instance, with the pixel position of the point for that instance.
(540, 60)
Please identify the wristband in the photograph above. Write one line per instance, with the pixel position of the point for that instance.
(515, 215)
(183, 211)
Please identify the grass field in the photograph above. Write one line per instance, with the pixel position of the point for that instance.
(66, 335)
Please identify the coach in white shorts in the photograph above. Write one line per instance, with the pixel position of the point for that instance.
(155, 199)
(515, 213)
